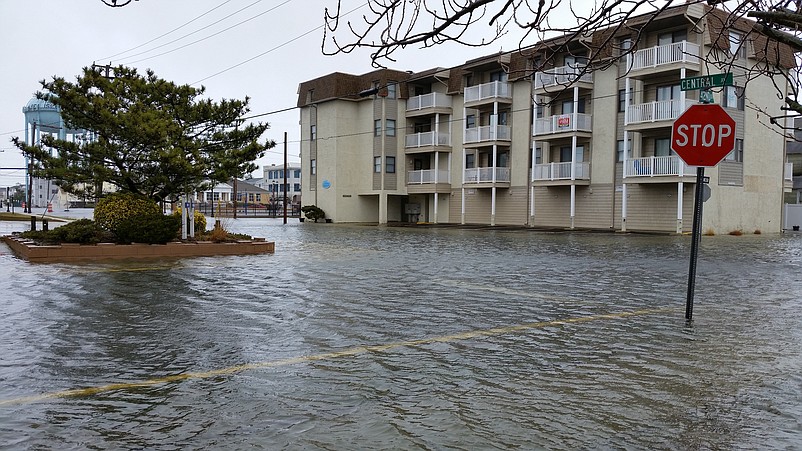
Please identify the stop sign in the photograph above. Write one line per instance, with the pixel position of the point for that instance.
(703, 135)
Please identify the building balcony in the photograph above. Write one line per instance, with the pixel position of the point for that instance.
(427, 142)
(489, 92)
(431, 103)
(487, 133)
(487, 176)
(563, 76)
(429, 181)
(562, 123)
(561, 173)
(663, 57)
(651, 112)
(658, 170)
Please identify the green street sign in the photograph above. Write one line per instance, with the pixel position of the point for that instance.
(705, 81)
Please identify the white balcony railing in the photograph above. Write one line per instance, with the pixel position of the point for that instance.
(487, 133)
(431, 100)
(485, 175)
(427, 139)
(788, 175)
(426, 176)
(562, 171)
(492, 90)
(678, 52)
(562, 76)
(657, 166)
(663, 110)
(562, 123)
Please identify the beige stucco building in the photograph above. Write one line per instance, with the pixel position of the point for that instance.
(539, 138)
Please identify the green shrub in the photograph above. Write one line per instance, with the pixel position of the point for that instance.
(313, 212)
(151, 229)
(82, 231)
(200, 220)
(116, 208)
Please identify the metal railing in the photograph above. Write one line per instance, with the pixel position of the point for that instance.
(486, 133)
(677, 52)
(662, 110)
(431, 100)
(425, 176)
(562, 123)
(657, 166)
(562, 171)
(492, 90)
(427, 139)
(562, 76)
(485, 175)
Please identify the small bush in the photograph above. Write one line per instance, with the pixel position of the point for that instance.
(82, 231)
(736, 232)
(116, 208)
(709, 232)
(313, 212)
(150, 229)
(758, 232)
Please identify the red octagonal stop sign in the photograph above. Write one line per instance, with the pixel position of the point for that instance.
(703, 135)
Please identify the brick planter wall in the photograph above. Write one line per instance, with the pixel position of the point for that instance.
(73, 252)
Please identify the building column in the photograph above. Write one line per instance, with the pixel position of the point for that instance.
(624, 206)
(462, 204)
(382, 207)
(436, 181)
(573, 177)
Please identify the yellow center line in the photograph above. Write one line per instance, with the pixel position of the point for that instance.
(89, 391)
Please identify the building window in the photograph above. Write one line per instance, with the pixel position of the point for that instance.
(298, 174)
(390, 127)
(313, 132)
(622, 98)
(539, 110)
(737, 153)
(624, 45)
(662, 147)
(208, 196)
(734, 97)
(296, 187)
(258, 197)
(377, 127)
(313, 169)
(390, 165)
(470, 121)
(538, 155)
(377, 164)
(500, 76)
(392, 88)
(620, 154)
(737, 44)
(470, 161)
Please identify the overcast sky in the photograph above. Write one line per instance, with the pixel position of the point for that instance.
(263, 50)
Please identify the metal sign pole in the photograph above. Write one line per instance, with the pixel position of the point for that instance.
(696, 234)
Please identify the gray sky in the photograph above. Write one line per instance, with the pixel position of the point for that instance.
(263, 51)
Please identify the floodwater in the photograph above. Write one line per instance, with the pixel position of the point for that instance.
(362, 337)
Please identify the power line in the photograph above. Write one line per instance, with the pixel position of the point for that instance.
(168, 33)
(274, 48)
(204, 38)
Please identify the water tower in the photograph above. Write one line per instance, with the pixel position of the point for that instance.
(42, 116)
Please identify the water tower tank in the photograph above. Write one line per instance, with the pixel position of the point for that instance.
(46, 115)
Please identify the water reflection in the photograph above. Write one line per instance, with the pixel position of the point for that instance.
(641, 381)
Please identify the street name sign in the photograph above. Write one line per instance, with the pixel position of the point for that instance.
(705, 81)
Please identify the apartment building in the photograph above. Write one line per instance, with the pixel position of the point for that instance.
(539, 138)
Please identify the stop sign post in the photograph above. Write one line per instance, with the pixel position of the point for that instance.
(702, 136)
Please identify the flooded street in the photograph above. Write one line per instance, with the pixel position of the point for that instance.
(362, 337)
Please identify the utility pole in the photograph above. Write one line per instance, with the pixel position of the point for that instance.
(285, 177)
(234, 195)
(27, 208)
(107, 68)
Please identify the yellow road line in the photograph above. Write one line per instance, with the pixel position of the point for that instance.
(89, 391)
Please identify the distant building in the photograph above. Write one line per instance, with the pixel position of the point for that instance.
(272, 180)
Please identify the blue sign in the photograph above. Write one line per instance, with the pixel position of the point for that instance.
(326, 184)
